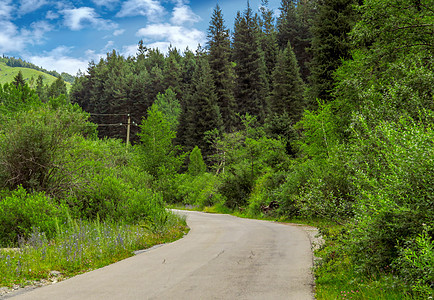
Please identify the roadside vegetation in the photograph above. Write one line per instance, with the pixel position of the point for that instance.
(340, 136)
(70, 202)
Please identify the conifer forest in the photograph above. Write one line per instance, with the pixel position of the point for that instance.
(320, 113)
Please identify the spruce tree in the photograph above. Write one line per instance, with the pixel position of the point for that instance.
(40, 88)
(19, 80)
(172, 72)
(221, 68)
(330, 45)
(251, 79)
(288, 87)
(202, 112)
(57, 88)
(269, 43)
(293, 25)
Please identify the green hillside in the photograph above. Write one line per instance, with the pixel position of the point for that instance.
(7, 74)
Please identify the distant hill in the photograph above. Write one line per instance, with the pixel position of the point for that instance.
(8, 73)
(10, 66)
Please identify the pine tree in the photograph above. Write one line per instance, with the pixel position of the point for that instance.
(269, 43)
(293, 25)
(202, 113)
(221, 68)
(251, 79)
(288, 88)
(19, 80)
(40, 88)
(57, 88)
(172, 72)
(330, 45)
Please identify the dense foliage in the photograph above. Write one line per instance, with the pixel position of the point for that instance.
(325, 112)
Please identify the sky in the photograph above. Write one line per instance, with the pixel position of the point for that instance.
(66, 35)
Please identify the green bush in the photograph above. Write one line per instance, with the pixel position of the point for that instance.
(21, 212)
(196, 165)
(393, 168)
(198, 190)
(236, 188)
(416, 263)
(33, 151)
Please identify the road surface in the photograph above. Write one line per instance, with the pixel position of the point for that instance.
(222, 257)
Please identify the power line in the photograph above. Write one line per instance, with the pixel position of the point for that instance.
(108, 114)
(111, 124)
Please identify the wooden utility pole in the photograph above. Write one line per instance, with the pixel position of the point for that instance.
(128, 130)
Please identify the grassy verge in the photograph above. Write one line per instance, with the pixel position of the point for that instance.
(80, 247)
(337, 278)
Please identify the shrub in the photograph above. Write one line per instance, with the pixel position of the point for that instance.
(416, 263)
(32, 150)
(21, 211)
(199, 190)
(393, 168)
(197, 165)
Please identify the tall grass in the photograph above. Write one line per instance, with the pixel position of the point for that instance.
(80, 246)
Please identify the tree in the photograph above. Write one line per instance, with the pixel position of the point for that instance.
(268, 39)
(288, 87)
(19, 80)
(157, 153)
(330, 45)
(221, 68)
(293, 26)
(40, 88)
(251, 79)
(57, 88)
(201, 113)
(170, 107)
(196, 165)
(172, 72)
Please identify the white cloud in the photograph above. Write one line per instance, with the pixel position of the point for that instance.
(130, 50)
(51, 15)
(59, 59)
(27, 6)
(183, 14)
(109, 46)
(39, 30)
(166, 34)
(6, 9)
(118, 32)
(10, 39)
(78, 18)
(148, 8)
(106, 3)
(14, 40)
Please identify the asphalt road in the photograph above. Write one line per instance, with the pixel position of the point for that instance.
(222, 257)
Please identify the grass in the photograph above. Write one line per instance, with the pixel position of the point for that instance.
(81, 246)
(7, 75)
(337, 278)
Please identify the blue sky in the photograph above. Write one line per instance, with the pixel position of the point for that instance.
(65, 35)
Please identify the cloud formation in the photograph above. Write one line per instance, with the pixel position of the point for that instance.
(6, 9)
(183, 14)
(107, 3)
(151, 9)
(27, 6)
(177, 36)
(78, 18)
(59, 59)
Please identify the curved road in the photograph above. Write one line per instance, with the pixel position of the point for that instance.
(222, 257)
